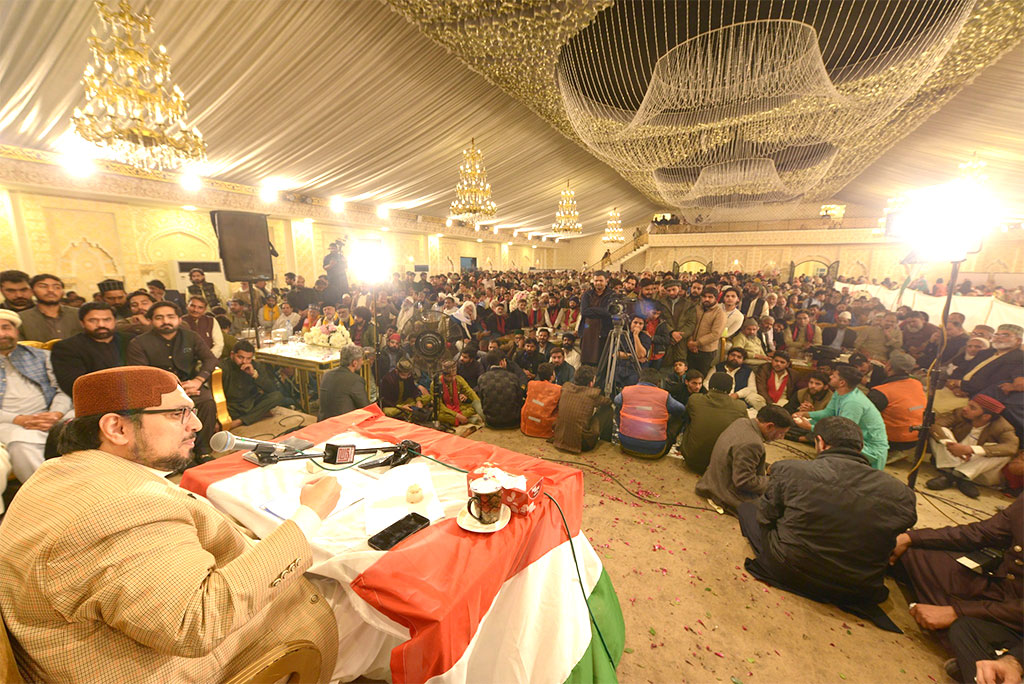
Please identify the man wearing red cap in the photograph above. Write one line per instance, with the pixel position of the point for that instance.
(134, 579)
(971, 443)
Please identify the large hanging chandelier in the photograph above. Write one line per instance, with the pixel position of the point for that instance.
(613, 229)
(133, 111)
(567, 218)
(473, 192)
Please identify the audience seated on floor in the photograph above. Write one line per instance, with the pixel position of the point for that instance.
(681, 382)
(649, 418)
(972, 444)
(138, 580)
(744, 384)
(709, 414)
(500, 394)
(901, 400)
(584, 414)
(399, 391)
(344, 389)
(457, 403)
(737, 472)
(540, 410)
(948, 590)
(255, 401)
(825, 528)
(848, 401)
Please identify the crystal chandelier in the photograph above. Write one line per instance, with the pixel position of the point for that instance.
(473, 192)
(567, 218)
(613, 230)
(133, 112)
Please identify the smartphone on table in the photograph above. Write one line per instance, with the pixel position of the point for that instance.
(397, 531)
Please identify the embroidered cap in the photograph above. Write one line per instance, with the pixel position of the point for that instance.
(121, 389)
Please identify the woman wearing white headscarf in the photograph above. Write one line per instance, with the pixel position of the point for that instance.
(463, 323)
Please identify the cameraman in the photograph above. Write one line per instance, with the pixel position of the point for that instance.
(337, 277)
(596, 320)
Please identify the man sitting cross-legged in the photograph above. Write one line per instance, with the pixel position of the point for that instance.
(825, 528)
(737, 469)
(649, 418)
(744, 384)
(710, 414)
(458, 403)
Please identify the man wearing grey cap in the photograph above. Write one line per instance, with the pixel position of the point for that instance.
(840, 337)
(901, 401)
(1001, 363)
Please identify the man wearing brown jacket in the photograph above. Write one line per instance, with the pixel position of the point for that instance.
(584, 414)
(133, 579)
(707, 332)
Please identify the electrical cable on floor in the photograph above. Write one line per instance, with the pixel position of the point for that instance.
(627, 489)
(935, 506)
(579, 574)
(963, 509)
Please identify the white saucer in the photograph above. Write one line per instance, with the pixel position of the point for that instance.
(471, 524)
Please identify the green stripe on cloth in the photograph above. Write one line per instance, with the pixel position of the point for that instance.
(595, 666)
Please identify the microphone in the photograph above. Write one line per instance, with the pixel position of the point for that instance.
(225, 441)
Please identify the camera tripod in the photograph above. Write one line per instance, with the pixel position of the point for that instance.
(610, 356)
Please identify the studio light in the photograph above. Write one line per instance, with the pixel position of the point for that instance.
(383, 211)
(336, 203)
(270, 189)
(369, 261)
(191, 182)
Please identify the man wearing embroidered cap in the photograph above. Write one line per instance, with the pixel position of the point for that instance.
(30, 400)
(972, 443)
(1001, 363)
(112, 292)
(133, 579)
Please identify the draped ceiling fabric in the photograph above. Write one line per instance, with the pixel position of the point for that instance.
(729, 109)
(340, 97)
(349, 98)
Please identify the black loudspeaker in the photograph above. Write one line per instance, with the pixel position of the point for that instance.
(244, 245)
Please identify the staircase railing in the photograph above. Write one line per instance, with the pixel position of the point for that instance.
(625, 250)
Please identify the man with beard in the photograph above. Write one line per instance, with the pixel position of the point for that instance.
(744, 385)
(529, 358)
(775, 381)
(205, 600)
(470, 369)
(253, 396)
(390, 355)
(879, 340)
(520, 318)
(14, 285)
(680, 316)
(596, 320)
(30, 399)
(956, 338)
(967, 357)
(917, 335)
(840, 337)
(112, 292)
(202, 288)
(1000, 364)
(696, 289)
(159, 292)
(703, 342)
(48, 319)
(802, 335)
(97, 347)
(814, 397)
(572, 357)
(180, 351)
(544, 346)
(138, 304)
(204, 325)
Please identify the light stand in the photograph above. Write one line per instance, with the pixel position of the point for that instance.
(253, 318)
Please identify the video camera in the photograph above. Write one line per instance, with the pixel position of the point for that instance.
(618, 308)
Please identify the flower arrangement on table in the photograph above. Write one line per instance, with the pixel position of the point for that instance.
(328, 335)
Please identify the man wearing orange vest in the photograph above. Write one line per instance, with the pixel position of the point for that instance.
(540, 410)
(649, 418)
(901, 400)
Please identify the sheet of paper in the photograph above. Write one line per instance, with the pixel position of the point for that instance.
(354, 485)
(385, 499)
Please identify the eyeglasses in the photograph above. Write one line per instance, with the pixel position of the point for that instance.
(183, 413)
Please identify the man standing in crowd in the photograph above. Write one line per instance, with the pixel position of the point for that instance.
(775, 381)
(48, 319)
(649, 418)
(709, 415)
(849, 402)
(584, 414)
(499, 392)
(680, 315)
(540, 410)
(825, 528)
(840, 337)
(901, 400)
(343, 389)
(134, 578)
(744, 386)
(981, 610)
(737, 472)
(733, 316)
(112, 292)
(202, 288)
(30, 400)
(179, 351)
(204, 325)
(252, 394)
(708, 326)
(14, 286)
(563, 372)
(97, 347)
(972, 444)
(596, 320)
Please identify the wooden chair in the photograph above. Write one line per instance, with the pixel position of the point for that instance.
(8, 665)
(217, 387)
(299, 661)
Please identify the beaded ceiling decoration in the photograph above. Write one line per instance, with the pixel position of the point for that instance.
(728, 110)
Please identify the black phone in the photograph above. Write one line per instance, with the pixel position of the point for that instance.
(397, 531)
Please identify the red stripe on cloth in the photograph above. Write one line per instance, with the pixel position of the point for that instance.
(440, 582)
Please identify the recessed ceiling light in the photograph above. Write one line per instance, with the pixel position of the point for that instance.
(479, 239)
(188, 207)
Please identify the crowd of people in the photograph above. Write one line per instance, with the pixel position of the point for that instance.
(707, 368)
(939, 288)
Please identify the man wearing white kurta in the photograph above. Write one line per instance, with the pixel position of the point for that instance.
(30, 400)
(972, 443)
